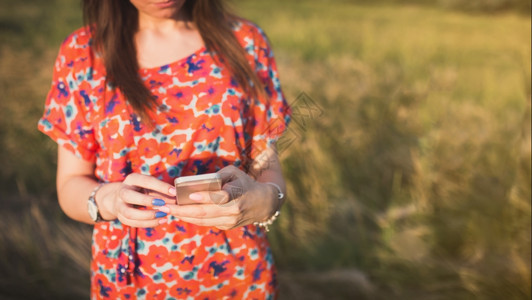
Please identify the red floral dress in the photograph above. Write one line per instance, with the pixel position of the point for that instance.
(202, 123)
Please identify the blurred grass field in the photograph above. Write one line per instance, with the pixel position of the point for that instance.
(413, 181)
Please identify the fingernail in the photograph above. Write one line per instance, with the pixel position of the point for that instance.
(195, 196)
(162, 221)
(160, 214)
(172, 191)
(158, 202)
(164, 209)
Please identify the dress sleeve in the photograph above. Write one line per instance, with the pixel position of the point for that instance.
(66, 111)
(270, 113)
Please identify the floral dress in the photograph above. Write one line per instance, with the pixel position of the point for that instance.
(203, 122)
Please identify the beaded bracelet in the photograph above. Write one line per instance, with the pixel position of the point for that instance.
(267, 223)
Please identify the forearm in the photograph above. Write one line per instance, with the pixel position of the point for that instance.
(73, 193)
(75, 182)
(267, 168)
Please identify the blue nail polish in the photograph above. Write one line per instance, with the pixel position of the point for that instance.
(158, 202)
(160, 214)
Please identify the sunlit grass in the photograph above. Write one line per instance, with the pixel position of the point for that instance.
(411, 172)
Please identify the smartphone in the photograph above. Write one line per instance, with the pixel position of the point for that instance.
(187, 185)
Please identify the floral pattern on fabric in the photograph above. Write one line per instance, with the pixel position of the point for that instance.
(202, 123)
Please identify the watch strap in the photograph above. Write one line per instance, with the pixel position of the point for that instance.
(92, 201)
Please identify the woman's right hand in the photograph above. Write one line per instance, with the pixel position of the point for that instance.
(133, 202)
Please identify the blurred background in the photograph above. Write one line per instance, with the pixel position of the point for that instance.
(408, 164)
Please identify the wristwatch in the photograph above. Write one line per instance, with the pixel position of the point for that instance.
(94, 212)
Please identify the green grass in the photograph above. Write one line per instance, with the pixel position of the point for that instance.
(416, 177)
(418, 171)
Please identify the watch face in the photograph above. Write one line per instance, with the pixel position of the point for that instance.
(93, 211)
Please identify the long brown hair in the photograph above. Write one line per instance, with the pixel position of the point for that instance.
(114, 23)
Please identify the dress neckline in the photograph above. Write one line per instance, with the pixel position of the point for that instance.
(179, 61)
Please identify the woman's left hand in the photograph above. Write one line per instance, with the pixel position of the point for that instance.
(241, 201)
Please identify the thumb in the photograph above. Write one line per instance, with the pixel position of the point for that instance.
(229, 174)
(232, 181)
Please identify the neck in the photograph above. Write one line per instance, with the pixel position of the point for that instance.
(150, 23)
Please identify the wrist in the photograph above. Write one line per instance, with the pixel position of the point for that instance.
(268, 196)
(92, 206)
(104, 199)
(274, 193)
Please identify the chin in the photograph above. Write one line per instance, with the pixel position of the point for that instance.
(162, 9)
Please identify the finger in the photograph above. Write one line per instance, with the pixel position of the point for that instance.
(209, 197)
(233, 181)
(229, 173)
(226, 222)
(234, 190)
(143, 223)
(140, 218)
(164, 197)
(134, 197)
(150, 183)
(131, 213)
(203, 211)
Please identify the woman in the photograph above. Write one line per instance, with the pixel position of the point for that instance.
(150, 91)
